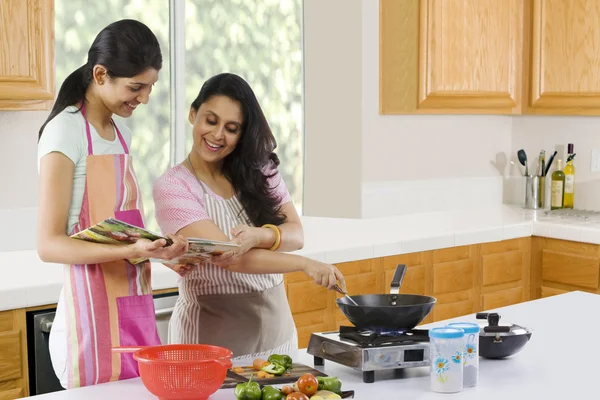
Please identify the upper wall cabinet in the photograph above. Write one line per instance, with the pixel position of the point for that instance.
(26, 54)
(565, 57)
(490, 56)
(451, 56)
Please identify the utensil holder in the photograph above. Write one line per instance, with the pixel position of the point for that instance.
(535, 193)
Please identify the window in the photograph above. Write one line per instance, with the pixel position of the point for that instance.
(259, 40)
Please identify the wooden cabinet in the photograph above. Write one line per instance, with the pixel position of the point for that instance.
(14, 378)
(463, 279)
(505, 273)
(565, 43)
(489, 56)
(454, 282)
(26, 54)
(449, 56)
(560, 266)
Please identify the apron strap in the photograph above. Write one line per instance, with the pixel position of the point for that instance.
(89, 134)
(202, 186)
(123, 143)
(87, 131)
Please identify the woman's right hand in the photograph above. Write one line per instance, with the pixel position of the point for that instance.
(324, 274)
(144, 248)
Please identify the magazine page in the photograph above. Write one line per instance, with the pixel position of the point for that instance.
(118, 232)
(114, 231)
(210, 247)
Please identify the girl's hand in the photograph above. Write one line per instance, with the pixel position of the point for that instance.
(144, 248)
(324, 274)
(247, 237)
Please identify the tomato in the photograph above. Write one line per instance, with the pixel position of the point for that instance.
(296, 396)
(308, 384)
(287, 389)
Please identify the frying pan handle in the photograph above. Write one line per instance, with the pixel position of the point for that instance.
(127, 349)
(398, 278)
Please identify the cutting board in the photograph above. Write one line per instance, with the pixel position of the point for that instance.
(290, 376)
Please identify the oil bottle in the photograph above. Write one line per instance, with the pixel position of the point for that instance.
(558, 187)
(569, 197)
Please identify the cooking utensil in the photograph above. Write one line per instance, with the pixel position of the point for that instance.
(496, 341)
(550, 163)
(523, 160)
(387, 312)
(340, 290)
(181, 371)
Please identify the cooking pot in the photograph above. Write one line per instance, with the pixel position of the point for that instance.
(497, 341)
(392, 312)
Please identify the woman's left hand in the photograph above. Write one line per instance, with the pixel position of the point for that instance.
(181, 269)
(247, 237)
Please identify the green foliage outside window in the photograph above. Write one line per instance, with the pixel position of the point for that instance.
(259, 40)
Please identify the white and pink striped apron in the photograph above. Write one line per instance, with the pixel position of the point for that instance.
(247, 313)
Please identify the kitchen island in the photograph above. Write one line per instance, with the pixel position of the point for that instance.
(556, 363)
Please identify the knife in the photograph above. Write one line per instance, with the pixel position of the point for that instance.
(550, 163)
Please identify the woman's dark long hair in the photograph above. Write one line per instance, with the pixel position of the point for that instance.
(125, 48)
(244, 167)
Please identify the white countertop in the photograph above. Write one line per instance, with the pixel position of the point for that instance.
(27, 282)
(550, 366)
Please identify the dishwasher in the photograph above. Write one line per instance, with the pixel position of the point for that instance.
(42, 378)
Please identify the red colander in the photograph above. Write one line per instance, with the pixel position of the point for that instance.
(181, 371)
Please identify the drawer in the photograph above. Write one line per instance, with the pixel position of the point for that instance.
(502, 298)
(548, 291)
(502, 267)
(570, 269)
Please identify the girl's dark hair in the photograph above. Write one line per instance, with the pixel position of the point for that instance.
(125, 48)
(244, 167)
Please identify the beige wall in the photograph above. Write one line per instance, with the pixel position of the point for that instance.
(421, 147)
(332, 98)
(18, 153)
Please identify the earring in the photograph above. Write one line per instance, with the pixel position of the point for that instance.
(101, 82)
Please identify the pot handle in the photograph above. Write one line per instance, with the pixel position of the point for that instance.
(496, 329)
(493, 318)
(398, 278)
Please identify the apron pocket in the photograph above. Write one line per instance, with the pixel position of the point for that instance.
(137, 327)
(132, 217)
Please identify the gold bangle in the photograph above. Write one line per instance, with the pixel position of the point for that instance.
(277, 236)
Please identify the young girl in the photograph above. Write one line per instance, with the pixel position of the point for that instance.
(229, 188)
(86, 176)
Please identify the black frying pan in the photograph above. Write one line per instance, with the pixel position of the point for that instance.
(387, 312)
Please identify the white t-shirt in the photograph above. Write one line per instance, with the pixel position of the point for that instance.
(66, 134)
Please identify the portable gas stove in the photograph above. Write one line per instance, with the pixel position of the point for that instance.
(371, 351)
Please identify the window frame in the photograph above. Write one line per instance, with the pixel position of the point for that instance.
(177, 80)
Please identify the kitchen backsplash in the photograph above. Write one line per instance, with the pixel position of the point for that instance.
(380, 199)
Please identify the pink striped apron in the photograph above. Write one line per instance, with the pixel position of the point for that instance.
(109, 304)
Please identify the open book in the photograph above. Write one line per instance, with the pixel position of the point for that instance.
(113, 231)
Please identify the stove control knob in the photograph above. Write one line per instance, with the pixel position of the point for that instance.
(382, 358)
